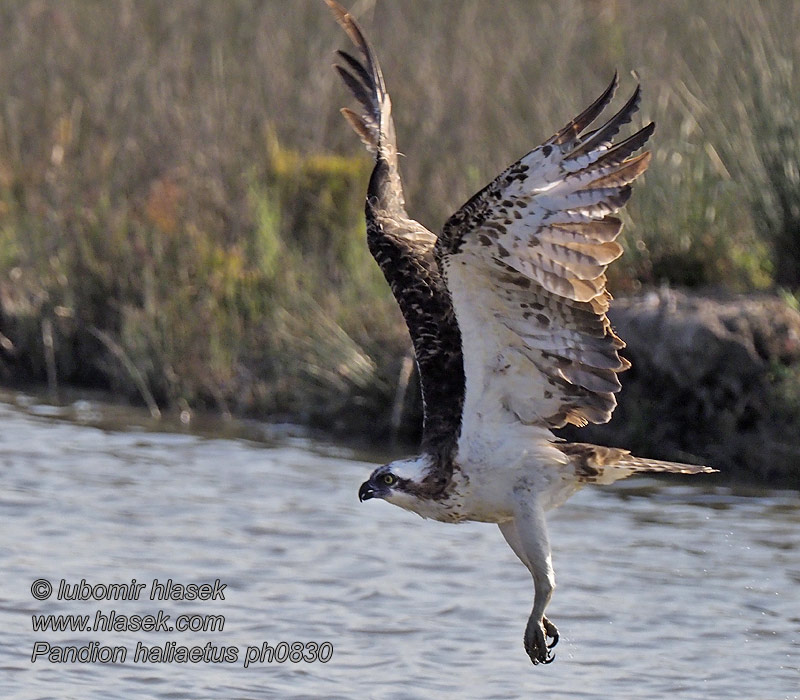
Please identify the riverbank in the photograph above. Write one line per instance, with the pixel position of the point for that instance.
(715, 379)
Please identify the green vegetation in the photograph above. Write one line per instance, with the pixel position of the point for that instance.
(176, 224)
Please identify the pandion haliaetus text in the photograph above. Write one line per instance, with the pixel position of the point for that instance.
(507, 313)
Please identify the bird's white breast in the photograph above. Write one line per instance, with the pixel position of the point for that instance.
(511, 459)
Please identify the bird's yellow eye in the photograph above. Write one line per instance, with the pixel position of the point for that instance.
(389, 479)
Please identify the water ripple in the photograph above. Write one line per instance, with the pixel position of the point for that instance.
(665, 590)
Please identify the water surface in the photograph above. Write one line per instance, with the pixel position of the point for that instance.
(666, 590)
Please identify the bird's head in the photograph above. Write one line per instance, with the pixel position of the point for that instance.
(397, 482)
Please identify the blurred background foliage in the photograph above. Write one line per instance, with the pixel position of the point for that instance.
(181, 203)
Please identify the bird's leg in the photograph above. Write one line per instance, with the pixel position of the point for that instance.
(526, 534)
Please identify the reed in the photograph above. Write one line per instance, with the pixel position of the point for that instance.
(176, 183)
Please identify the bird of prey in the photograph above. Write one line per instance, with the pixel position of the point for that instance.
(506, 309)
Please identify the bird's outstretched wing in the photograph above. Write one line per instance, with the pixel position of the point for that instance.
(403, 248)
(525, 262)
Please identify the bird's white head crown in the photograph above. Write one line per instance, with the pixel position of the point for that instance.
(413, 469)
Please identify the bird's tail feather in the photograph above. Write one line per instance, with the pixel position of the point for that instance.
(640, 464)
(605, 465)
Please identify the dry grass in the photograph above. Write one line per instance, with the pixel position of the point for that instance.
(166, 175)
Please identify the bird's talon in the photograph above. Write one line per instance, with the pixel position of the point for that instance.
(536, 641)
(551, 631)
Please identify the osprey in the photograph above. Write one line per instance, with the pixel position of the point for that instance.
(507, 313)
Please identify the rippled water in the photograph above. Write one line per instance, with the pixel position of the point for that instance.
(679, 590)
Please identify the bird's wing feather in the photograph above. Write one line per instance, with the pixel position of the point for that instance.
(403, 248)
(525, 263)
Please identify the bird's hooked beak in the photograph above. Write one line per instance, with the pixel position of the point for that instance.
(366, 492)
